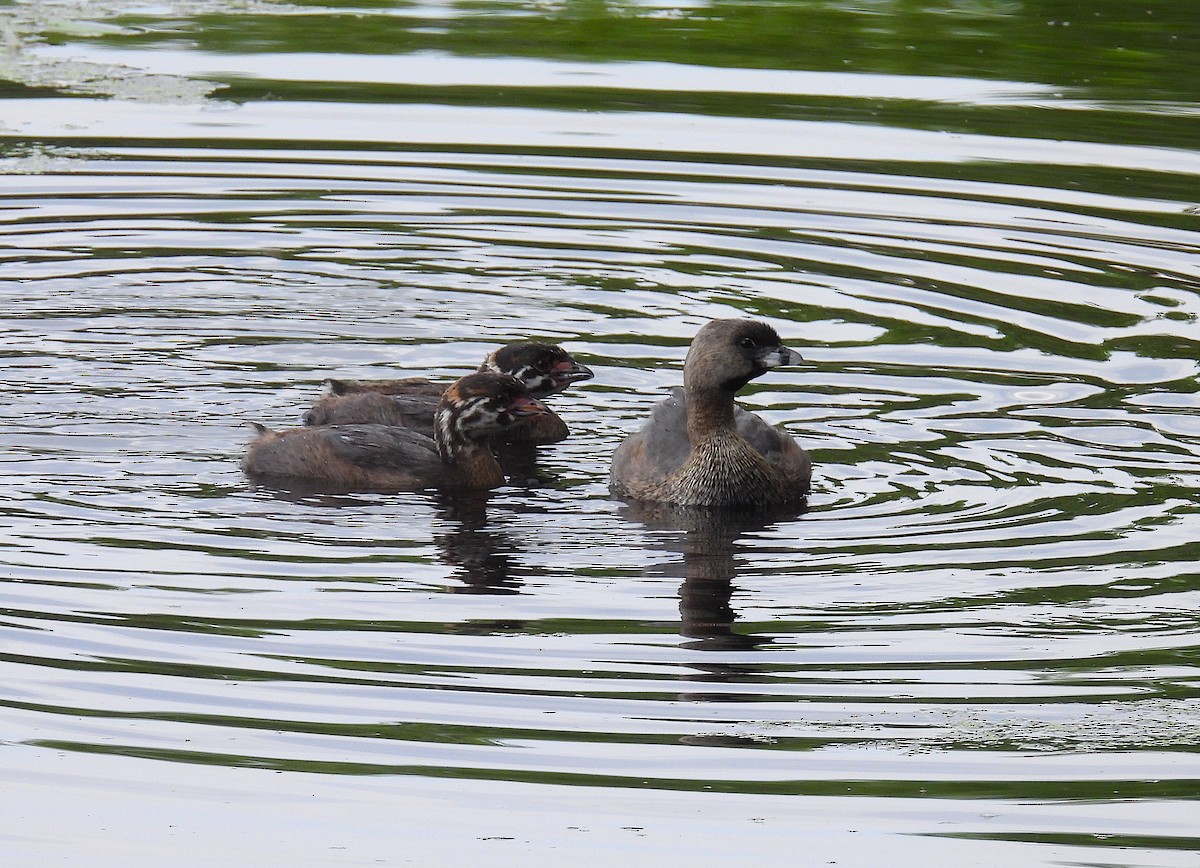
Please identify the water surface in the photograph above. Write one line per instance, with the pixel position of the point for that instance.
(976, 221)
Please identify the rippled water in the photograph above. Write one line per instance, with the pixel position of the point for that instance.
(978, 645)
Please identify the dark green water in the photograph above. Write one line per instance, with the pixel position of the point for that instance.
(977, 220)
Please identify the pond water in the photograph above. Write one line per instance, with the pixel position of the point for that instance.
(977, 220)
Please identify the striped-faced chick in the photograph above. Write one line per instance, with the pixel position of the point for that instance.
(480, 406)
(545, 369)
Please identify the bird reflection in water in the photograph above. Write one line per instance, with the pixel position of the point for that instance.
(706, 540)
(482, 556)
(707, 543)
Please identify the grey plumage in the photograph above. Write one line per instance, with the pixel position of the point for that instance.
(699, 448)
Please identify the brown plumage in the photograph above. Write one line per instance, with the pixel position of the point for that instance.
(699, 448)
(544, 369)
(392, 458)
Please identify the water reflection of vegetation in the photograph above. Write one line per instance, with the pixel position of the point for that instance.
(1109, 48)
(1023, 790)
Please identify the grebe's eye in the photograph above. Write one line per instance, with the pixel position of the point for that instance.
(747, 343)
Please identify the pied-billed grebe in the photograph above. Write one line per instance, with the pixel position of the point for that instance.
(699, 448)
(390, 458)
(543, 368)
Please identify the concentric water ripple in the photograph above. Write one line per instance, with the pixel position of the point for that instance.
(993, 594)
